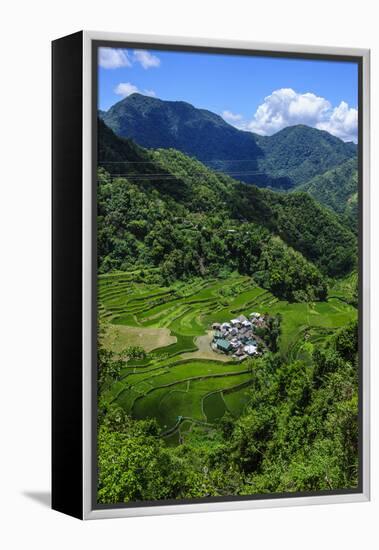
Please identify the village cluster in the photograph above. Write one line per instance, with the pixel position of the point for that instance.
(238, 336)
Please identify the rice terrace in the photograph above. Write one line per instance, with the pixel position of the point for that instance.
(186, 383)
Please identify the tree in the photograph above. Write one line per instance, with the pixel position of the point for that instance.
(134, 352)
(108, 368)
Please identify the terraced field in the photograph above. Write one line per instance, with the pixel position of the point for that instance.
(183, 383)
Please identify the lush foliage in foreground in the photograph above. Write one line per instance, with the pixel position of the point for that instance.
(298, 432)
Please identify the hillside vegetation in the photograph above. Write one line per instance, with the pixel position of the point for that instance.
(300, 152)
(338, 189)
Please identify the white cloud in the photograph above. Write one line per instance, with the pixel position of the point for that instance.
(285, 107)
(232, 118)
(112, 58)
(343, 122)
(146, 59)
(125, 89)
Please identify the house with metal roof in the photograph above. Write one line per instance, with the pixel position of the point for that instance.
(237, 336)
(250, 350)
(224, 345)
(251, 342)
(242, 318)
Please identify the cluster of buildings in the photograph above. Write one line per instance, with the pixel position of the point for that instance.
(237, 337)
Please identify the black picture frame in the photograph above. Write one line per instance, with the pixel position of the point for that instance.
(74, 386)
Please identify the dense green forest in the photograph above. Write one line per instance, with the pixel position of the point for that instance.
(182, 246)
(338, 189)
(141, 230)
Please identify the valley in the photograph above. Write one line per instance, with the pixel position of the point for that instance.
(175, 381)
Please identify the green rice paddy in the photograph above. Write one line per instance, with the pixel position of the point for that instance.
(181, 392)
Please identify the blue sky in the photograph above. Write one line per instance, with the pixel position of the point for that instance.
(258, 94)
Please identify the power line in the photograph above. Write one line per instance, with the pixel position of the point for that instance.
(172, 177)
(150, 161)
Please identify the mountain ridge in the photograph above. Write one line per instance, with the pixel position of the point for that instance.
(284, 160)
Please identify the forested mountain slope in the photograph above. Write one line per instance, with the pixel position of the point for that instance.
(337, 189)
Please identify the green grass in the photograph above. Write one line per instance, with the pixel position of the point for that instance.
(182, 345)
(235, 401)
(198, 391)
(214, 406)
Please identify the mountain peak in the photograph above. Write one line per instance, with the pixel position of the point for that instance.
(138, 97)
(308, 131)
(300, 128)
(142, 99)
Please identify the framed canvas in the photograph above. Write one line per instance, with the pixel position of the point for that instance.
(210, 275)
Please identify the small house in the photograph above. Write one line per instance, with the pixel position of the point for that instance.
(254, 315)
(242, 318)
(250, 350)
(224, 345)
(251, 342)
